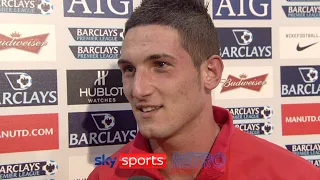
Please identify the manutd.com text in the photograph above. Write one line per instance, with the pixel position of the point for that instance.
(24, 133)
(297, 119)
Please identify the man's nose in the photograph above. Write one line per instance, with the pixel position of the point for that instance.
(142, 84)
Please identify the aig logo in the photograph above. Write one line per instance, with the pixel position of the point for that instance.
(98, 8)
(241, 9)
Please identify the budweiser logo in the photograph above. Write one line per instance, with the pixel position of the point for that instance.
(254, 83)
(31, 44)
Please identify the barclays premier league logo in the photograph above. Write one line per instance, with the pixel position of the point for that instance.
(50, 168)
(300, 81)
(304, 149)
(90, 52)
(44, 7)
(246, 36)
(244, 113)
(104, 121)
(315, 162)
(97, 34)
(101, 128)
(256, 128)
(96, 52)
(28, 88)
(25, 170)
(311, 74)
(302, 11)
(245, 43)
(22, 83)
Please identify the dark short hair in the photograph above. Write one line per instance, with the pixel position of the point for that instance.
(190, 17)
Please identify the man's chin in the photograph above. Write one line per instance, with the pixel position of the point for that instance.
(149, 135)
(152, 134)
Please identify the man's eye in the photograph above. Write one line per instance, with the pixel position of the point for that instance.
(128, 69)
(160, 64)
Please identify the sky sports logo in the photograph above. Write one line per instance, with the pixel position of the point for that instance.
(97, 34)
(182, 163)
(30, 169)
(133, 161)
(101, 128)
(265, 128)
(241, 9)
(98, 8)
(95, 87)
(304, 149)
(245, 43)
(244, 113)
(28, 88)
(44, 7)
(300, 81)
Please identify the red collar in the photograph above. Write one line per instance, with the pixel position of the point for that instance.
(224, 119)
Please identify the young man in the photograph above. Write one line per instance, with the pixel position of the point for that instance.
(170, 63)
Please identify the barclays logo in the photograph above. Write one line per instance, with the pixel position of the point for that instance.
(245, 43)
(302, 11)
(266, 128)
(101, 128)
(28, 88)
(299, 81)
(98, 8)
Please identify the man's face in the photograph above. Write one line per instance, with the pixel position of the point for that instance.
(160, 81)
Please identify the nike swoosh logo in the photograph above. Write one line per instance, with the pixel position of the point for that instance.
(304, 47)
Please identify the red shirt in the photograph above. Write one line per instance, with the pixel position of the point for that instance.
(247, 158)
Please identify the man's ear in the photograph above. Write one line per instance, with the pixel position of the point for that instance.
(213, 69)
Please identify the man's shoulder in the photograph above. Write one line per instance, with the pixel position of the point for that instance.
(267, 158)
(105, 172)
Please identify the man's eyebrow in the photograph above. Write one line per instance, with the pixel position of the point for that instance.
(158, 56)
(122, 61)
(150, 57)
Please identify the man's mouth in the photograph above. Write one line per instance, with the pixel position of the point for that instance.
(148, 109)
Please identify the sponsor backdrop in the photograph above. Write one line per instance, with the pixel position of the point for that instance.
(62, 107)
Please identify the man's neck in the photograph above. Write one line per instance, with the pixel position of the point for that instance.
(197, 136)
